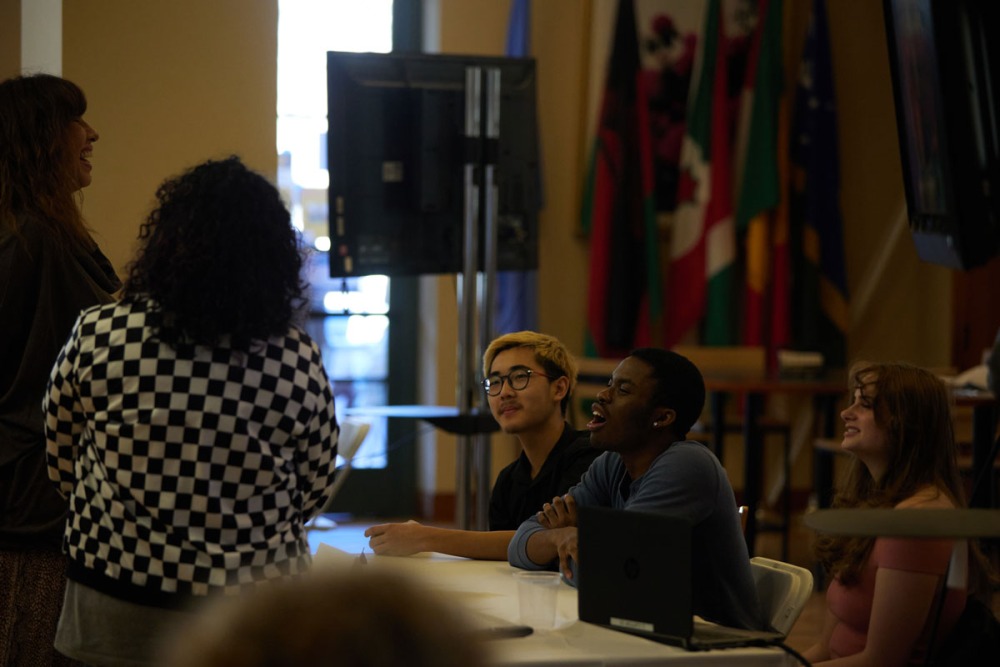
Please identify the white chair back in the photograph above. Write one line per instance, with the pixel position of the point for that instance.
(352, 433)
(782, 589)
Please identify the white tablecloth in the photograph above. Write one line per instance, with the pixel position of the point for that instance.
(488, 587)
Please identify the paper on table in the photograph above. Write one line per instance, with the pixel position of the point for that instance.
(332, 557)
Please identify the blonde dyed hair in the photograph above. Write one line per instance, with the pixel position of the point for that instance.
(549, 351)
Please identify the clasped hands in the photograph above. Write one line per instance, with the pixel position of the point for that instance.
(559, 518)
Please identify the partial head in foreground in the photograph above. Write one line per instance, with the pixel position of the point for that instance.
(353, 617)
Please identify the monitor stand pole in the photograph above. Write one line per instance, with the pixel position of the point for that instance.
(476, 292)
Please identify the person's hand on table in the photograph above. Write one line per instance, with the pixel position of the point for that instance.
(396, 539)
(567, 544)
(545, 546)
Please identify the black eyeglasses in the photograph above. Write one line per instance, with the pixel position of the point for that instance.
(517, 380)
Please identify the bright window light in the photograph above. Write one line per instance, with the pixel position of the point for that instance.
(366, 329)
(354, 339)
(307, 29)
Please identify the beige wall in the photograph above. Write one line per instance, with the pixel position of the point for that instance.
(169, 85)
(10, 37)
(173, 83)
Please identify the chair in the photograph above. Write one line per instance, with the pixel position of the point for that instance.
(783, 590)
(352, 433)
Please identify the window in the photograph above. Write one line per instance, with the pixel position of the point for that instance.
(350, 318)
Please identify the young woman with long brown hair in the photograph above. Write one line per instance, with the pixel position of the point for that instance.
(50, 269)
(885, 591)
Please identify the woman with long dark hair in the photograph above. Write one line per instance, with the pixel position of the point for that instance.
(192, 424)
(50, 269)
(885, 591)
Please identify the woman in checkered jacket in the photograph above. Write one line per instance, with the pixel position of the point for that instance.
(192, 424)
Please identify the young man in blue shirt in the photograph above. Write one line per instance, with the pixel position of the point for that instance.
(640, 422)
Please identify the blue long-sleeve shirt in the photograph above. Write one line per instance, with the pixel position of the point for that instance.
(686, 480)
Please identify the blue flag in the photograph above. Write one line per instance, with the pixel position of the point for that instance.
(820, 286)
(517, 291)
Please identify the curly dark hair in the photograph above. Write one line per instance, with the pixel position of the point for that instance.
(218, 258)
(37, 176)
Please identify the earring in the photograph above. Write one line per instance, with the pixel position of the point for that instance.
(656, 424)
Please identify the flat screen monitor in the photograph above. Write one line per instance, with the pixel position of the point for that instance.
(944, 57)
(396, 151)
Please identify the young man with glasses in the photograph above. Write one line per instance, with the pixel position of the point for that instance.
(529, 381)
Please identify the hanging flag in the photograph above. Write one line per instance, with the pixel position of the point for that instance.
(517, 291)
(756, 155)
(780, 291)
(820, 287)
(624, 283)
(780, 323)
(703, 244)
(519, 29)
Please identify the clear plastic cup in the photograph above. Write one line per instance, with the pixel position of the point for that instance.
(536, 594)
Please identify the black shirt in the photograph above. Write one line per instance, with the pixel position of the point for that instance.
(516, 496)
(44, 284)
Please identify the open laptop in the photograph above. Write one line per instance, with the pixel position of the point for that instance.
(634, 575)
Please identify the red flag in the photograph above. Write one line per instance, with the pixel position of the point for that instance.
(703, 238)
(624, 298)
(780, 297)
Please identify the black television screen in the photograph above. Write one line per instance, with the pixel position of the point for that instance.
(945, 65)
(396, 158)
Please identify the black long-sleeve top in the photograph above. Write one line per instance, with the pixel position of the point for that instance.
(44, 284)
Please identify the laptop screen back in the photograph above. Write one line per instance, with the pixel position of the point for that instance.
(635, 571)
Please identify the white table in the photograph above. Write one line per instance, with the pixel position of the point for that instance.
(487, 587)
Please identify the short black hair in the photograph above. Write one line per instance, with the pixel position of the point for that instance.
(679, 385)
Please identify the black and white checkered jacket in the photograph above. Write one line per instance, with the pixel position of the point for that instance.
(189, 471)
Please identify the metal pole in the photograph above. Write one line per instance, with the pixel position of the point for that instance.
(487, 303)
(467, 295)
